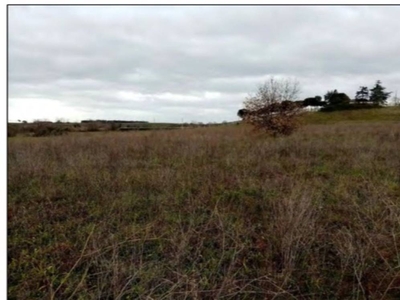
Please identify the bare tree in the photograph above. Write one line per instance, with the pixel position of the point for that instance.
(273, 91)
(396, 100)
(273, 107)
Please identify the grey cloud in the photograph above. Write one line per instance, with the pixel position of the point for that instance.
(86, 56)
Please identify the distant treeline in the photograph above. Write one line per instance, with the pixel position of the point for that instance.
(333, 100)
(111, 121)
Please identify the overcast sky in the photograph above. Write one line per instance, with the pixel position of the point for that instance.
(190, 63)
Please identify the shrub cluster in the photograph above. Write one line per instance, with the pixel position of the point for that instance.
(12, 130)
(272, 109)
(275, 119)
(44, 129)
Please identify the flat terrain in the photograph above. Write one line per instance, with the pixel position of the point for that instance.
(209, 213)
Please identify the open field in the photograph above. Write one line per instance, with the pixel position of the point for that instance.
(208, 213)
(44, 128)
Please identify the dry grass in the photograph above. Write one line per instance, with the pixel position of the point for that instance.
(208, 213)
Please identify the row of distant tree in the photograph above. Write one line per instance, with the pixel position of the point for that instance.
(273, 108)
(376, 96)
(112, 121)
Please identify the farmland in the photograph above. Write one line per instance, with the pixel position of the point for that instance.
(209, 213)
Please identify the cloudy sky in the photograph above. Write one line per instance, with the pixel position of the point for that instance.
(190, 63)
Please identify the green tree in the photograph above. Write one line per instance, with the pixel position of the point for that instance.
(313, 101)
(334, 98)
(363, 94)
(329, 94)
(378, 95)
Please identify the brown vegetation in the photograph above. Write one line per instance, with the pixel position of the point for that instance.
(206, 213)
(276, 118)
(272, 109)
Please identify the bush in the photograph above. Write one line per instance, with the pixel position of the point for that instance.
(339, 99)
(42, 129)
(276, 119)
(273, 109)
(92, 126)
(12, 130)
(330, 108)
(115, 126)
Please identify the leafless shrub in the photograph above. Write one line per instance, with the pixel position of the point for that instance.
(93, 126)
(396, 100)
(47, 129)
(276, 118)
(272, 108)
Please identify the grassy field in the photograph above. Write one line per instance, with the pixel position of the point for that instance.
(364, 115)
(208, 213)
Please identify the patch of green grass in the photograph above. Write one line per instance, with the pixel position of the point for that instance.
(360, 115)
